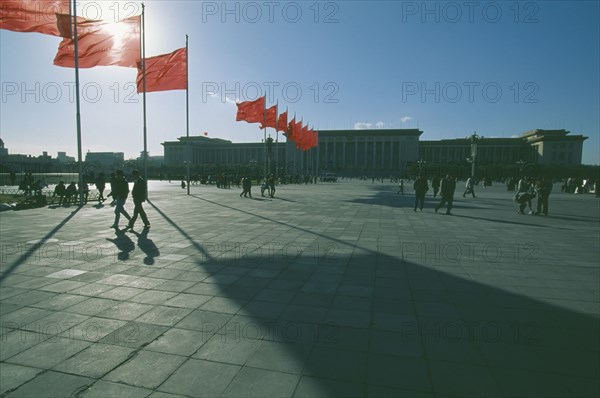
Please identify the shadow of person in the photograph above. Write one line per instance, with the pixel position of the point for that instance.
(123, 243)
(147, 246)
(329, 318)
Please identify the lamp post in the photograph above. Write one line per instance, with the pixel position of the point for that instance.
(421, 162)
(520, 164)
(474, 139)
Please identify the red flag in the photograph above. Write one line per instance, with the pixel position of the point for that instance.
(282, 123)
(103, 43)
(289, 134)
(251, 111)
(299, 134)
(164, 72)
(271, 117)
(32, 15)
(305, 138)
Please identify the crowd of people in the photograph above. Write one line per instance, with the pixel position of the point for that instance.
(527, 189)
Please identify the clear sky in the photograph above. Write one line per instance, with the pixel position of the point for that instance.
(448, 68)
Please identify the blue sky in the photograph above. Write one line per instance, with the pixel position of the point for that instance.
(448, 68)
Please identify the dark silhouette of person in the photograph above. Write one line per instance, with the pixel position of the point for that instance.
(271, 185)
(100, 186)
(447, 188)
(139, 194)
(119, 192)
(435, 184)
(420, 186)
(246, 187)
(60, 190)
(543, 188)
(71, 193)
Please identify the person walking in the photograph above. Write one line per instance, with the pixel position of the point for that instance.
(271, 185)
(435, 184)
(420, 186)
(100, 186)
(447, 188)
(400, 187)
(470, 187)
(139, 194)
(119, 193)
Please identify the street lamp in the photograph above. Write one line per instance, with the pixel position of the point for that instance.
(421, 162)
(474, 139)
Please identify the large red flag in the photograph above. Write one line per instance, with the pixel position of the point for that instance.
(32, 15)
(282, 123)
(305, 138)
(290, 130)
(251, 111)
(103, 43)
(164, 72)
(299, 135)
(271, 117)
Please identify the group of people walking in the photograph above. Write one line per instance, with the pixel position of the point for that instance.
(120, 192)
(445, 186)
(528, 189)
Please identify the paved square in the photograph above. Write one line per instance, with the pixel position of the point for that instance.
(326, 290)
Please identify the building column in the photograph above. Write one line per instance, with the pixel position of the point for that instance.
(374, 154)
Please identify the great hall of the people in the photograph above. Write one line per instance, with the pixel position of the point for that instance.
(382, 151)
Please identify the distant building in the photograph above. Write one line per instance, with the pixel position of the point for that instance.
(63, 158)
(205, 150)
(105, 160)
(381, 152)
(554, 147)
(3, 151)
(548, 147)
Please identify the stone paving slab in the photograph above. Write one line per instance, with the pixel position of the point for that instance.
(325, 290)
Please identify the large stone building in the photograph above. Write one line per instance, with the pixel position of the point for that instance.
(379, 151)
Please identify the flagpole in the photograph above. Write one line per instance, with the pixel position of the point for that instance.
(265, 135)
(276, 139)
(187, 113)
(143, 56)
(77, 104)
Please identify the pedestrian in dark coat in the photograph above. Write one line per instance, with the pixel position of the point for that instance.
(139, 194)
(447, 188)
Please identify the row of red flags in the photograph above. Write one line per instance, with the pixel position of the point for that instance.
(256, 112)
(100, 43)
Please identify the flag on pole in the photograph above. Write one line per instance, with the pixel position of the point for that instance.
(103, 43)
(299, 134)
(282, 123)
(289, 134)
(32, 15)
(164, 72)
(251, 111)
(270, 118)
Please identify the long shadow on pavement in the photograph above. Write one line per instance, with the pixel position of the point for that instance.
(36, 246)
(350, 321)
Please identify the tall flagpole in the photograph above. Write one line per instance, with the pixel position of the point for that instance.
(265, 134)
(187, 112)
(276, 140)
(143, 56)
(78, 114)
